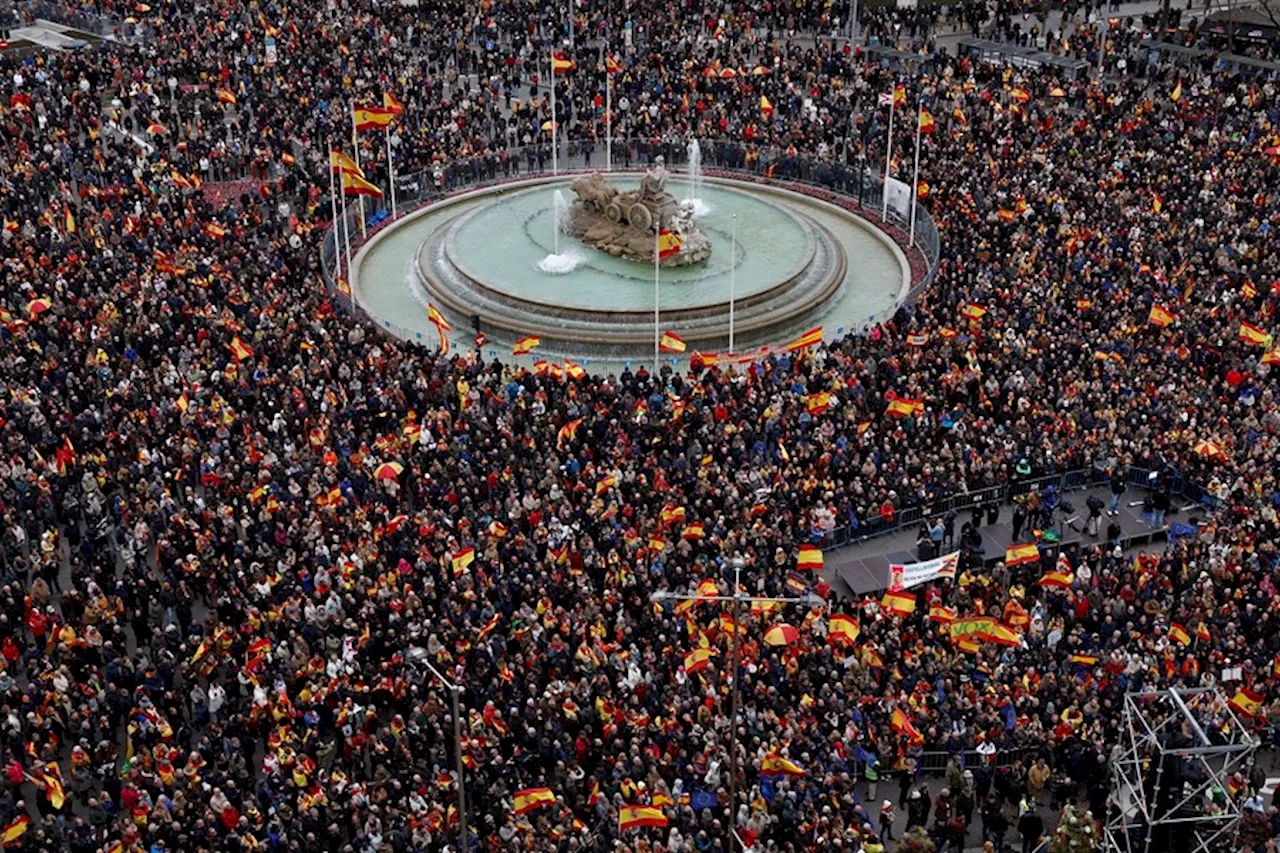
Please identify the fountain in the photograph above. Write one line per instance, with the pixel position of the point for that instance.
(621, 222)
(699, 207)
(557, 263)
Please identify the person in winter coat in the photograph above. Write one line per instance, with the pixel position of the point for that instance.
(1030, 827)
(918, 807)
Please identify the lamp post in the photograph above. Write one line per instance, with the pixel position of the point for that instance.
(418, 655)
(735, 602)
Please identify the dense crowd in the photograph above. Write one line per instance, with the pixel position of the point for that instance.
(214, 592)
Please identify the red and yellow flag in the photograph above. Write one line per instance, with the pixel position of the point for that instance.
(671, 342)
(698, 660)
(525, 345)
(369, 118)
(15, 829)
(533, 798)
(766, 108)
(940, 613)
(899, 602)
(1251, 334)
(239, 349)
(774, 764)
(1159, 316)
(813, 337)
(353, 184)
(1016, 555)
(1247, 702)
(1177, 632)
(390, 104)
(844, 628)
(809, 559)
(638, 817)
(461, 559)
(560, 64)
(668, 243)
(339, 162)
(226, 96)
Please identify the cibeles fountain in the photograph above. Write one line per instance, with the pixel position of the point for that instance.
(570, 258)
(627, 223)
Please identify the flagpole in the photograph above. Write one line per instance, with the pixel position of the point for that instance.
(555, 129)
(355, 146)
(733, 268)
(608, 113)
(657, 236)
(346, 230)
(915, 181)
(391, 172)
(888, 152)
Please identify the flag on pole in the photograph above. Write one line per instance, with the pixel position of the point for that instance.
(668, 243)
(671, 342)
(813, 337)
(637, 817)
(340, 162)
(1178, 633)
(353, 184)
(560, 64)
(927, 123)
(369, 118)
(898, 602)
(390, 104)
(843, 627)
(774, 764)
(1247, 702)
(766, 108)
(226, 96)
(611, 65)
(1160, 316)
(698, 660)
(526, 345)
(1176, 94)
(442, 326)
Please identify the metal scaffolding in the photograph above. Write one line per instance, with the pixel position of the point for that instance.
(1170, 788)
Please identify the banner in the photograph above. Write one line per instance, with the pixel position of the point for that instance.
(970, 626)
(908, 575)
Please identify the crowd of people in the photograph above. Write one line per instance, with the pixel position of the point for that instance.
(219, 600)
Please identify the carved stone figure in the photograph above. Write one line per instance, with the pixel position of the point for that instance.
(621, 223)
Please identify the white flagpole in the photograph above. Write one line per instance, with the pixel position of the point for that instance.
(733, 268)
(888, 152)
(608, 113)
(555, 129)
(346, 230)
(391, 172)
(333, 208)
(915, 181)
(657, 236)
(355, 146)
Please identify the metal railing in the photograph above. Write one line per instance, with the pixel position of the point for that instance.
(1067, 481)
(854, 189)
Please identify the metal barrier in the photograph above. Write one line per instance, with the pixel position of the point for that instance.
(1068, 481)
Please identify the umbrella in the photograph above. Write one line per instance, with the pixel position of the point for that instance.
(781, 635)
(728, 74)
(549, 124)
(36, 307)
(1057, 92)
(760, 70)
(388, 470)
(709, 72)
(1209, 449)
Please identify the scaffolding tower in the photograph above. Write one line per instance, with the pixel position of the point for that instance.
(1171, 785)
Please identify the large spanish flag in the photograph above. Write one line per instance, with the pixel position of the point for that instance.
(774, 764)
(353, 184)
(533, 798)
(391, 105)
(438, 319)
(340, 162)
(1251, 334)
(901, 723)
(766, 108)
(843, 627)
(461, 559)
(1177, 632)
(1016, 555)
(15, 830)
(1247, 702)
(1001, 635)
(368, 118)
(239, 349)
(560, 64)
(1159, 316)
(813, 337)
(973, 311)
(809, 559)
(637, 817)
(901, 603)
(668, 243)
(525, 345)
(902, 407)
(816, 404)
(942, 613)
(671, 342)
(1061, 580)
(697, 660)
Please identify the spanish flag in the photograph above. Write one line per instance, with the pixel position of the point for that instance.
(611, 65)
(574, 371)
(637, 817)
(461, 559)
(898, 602)
(1016, 555)
(339, 162)
(1251, 334)
(353, 184)
(1159, 316)
(525, 345)
(69, 221)
(973, 311)
(673, 513)
(226, 96)
(368, 118)
(766, 108)
(1020, 95)
(903, 407)
(813, 337)
(1084, 304)
(698, 660)
(1275, 666)
(809, 559)
(214, 230)
(899, 95)
(818, 403)
(239, 349)
(901, 724)
(1157, 203)
(1177, 632)
(560, 64)
(606, 484)
(1247, 702)
(939, 613)
(927, 123)
(53, 788)
(1001, 635)
(1061, 580)
(1202, 633)
(671, 342)
(15, 830)
(568, 432)
(533, 798)
(774, 764)
(391, 105)
(1084, 660)
(843, 627)
(1176, 94)
(438, 319)
(693, 531)
(668, 243)
(918, 339)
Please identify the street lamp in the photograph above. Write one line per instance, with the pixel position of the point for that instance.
(735, 602)
(418, 655)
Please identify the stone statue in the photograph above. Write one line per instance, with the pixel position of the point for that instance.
(621, 223)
